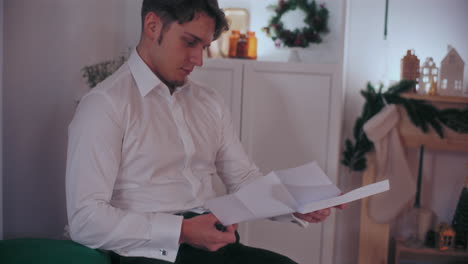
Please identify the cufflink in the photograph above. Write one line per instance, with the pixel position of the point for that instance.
(163, 252)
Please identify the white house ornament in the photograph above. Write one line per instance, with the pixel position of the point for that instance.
(451, 74)
(429, 76)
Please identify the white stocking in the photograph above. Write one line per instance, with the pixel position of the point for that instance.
(391, 164)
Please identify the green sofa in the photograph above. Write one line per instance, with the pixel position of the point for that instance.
(49, 251)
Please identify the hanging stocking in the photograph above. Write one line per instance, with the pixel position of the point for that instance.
(391, 164)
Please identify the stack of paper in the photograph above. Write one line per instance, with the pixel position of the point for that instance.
(303, 189)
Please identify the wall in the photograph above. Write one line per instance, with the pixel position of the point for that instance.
(427, 26)
(1, 118)
(47, 42)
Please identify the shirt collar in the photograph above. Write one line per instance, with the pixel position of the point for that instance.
(145, 79)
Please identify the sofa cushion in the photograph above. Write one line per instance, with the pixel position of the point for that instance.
(49, 251)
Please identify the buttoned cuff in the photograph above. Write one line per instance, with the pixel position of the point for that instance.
(164, 238)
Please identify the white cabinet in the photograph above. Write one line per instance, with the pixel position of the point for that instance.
(226, 76)
(288, 114)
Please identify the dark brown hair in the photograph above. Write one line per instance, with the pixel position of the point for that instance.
(184, 11)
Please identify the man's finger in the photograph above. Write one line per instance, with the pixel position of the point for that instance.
(225, 237)
(314, 217)
(231, 228)
(341, 206)
(216, 247)
(324, 212)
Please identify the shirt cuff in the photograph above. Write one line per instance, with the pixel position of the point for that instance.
(164, 238)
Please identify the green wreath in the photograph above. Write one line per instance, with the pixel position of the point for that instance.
(422, 114)
(316, 20)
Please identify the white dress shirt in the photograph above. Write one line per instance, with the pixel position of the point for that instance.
(137, 155)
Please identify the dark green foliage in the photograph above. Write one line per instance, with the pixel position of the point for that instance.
(316, 20)
(422, 114)
(455, 119)
(460, 220)
(97, 73)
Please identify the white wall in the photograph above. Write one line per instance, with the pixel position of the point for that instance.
(427, 26)
(1, 119)
(47, 42)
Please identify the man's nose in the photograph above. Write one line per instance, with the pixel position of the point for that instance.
(196, 57)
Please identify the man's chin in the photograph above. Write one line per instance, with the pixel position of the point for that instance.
(178, 83)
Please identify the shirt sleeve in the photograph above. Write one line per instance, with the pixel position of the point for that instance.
(233, 165)
(94, 153)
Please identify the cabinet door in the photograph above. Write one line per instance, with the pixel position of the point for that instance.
(288, 118)
(226, 77)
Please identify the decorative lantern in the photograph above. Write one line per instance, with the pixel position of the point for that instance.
(429, 76)
(410, 67)
(445, 237)
(451, 74)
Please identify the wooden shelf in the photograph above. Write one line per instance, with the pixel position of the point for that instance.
(437, 98)
(414, 137)
(403, 252)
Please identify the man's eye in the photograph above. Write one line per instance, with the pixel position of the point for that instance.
(191, 43)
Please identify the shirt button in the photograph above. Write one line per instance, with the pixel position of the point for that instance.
(163, 252)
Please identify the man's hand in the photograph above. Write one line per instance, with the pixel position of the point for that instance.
(201, 232)
(317, 216)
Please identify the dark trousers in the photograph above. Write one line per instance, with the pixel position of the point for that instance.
(235, 253)
(232, 254)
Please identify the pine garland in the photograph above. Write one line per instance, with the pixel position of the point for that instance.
(96, 73)
(316, 20)
(422, 114)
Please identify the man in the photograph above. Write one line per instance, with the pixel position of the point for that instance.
(145, 144)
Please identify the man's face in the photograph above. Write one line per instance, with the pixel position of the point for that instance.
(181, 49)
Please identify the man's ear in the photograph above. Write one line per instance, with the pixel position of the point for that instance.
(152, 26)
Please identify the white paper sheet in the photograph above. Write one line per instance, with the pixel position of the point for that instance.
(353, 195)
(303, 189)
